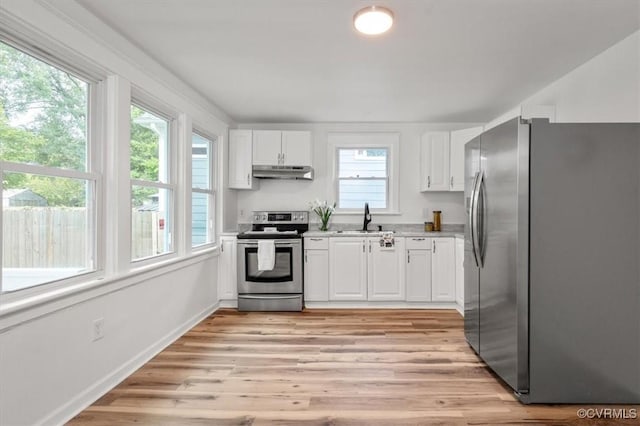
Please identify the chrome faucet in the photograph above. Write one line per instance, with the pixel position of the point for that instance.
(367, 217)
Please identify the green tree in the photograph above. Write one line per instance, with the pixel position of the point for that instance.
(43, 120)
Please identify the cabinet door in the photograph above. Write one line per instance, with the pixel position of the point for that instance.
(240, 153)
(227, 269)
(456, 158)
(460, 272)
(316, 275)
(386, 270)
(267, 147)
(347, 269)
(418, 275)
(296, 148)
(443, 267)
(435, 161)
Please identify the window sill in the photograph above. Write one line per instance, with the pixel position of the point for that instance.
(25, 309)
(373, 213)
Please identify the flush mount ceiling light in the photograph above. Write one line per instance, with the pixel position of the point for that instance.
(373, 20)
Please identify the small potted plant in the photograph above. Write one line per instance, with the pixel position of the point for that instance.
(324, 212)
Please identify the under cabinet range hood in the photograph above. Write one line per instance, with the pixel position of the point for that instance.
(283, 172)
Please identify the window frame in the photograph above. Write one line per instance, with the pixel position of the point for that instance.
(388, 140)
(212, 192)
(91, 174)
(139, 100)
(386, 179)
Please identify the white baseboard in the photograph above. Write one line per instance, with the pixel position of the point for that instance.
(69, 410)
(228, 303)
(460, 309)
(379, 305)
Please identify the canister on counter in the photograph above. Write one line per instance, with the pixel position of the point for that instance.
(428, 227)
(437, 220)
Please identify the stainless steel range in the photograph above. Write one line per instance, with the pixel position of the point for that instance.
(276, 288)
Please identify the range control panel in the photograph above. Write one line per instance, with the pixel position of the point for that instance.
(280, 217)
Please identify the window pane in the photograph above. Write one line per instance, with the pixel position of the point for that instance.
(43, 113)
(46, 229)
(200, 162)
(150, 223)
(149, 144)
(354, 193)
(200, 214)
(362, 163)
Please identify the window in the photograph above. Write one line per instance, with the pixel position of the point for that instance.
(151, 189)
(363, 178)
(202, 191)
(48, 186)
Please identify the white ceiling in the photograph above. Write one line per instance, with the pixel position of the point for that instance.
(300, 60)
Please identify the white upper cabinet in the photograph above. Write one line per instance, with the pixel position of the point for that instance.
(456, 159)
(296, 148)
(386, 270)
(267, 147)
(240, 160)
(281, 148)
(434, 147)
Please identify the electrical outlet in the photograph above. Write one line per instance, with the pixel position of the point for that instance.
(98, 329)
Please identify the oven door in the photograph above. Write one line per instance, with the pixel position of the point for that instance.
(285, 277)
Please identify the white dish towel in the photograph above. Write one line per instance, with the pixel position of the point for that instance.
(266, 255)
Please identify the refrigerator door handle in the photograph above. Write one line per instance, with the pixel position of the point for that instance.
(475, 231)
(481, 214)
(472, 215)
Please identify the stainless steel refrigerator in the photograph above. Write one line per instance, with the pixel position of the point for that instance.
(552, 259)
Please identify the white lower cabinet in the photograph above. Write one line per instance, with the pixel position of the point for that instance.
(347, 268)
(460, 272)
(443, 277)
(316, 275)
(227, 269)
(359, 269)
(418, 267)
(385, 270)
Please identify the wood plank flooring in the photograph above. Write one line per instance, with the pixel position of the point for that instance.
(320, 367)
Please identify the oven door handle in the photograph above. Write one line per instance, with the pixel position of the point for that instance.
(266, 296)
(292, 245)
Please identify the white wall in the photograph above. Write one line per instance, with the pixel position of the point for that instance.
(414, 206)
(603, 89)
(49, 366)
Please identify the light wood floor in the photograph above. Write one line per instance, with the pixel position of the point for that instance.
(319, 367)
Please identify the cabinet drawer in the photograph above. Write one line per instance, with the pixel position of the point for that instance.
(418, 243)
(316, 243)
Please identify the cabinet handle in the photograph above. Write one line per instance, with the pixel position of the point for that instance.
(363, 243)
(418, 239)
(434, 246)
(306, 260)
(279, 158)
(408, 256)
(221, 247)
(451, 181)
(283, 158)
(428, 181)
(369, 246)
(248, 179)
(315, 239)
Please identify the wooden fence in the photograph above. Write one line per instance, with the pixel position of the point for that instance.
(54, 237)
